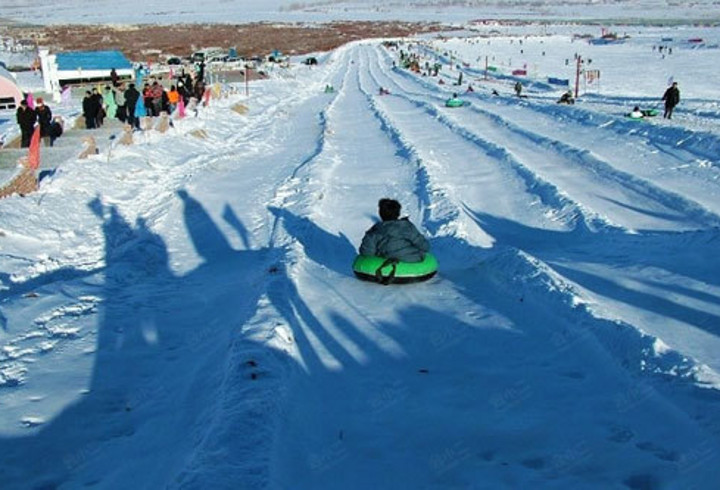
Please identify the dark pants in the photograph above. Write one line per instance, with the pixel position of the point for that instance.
(133, 121)
(668, 111)
(25, 137)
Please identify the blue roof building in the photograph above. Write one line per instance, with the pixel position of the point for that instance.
(92, 61)
(61, 69)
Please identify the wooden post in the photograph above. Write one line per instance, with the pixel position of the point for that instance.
(247, 85)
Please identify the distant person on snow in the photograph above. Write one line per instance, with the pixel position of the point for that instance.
(671, 98)
(637, 113)
(566, 98)
(394, 237)
(518, 88)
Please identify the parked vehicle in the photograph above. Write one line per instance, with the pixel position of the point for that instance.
(208, 54)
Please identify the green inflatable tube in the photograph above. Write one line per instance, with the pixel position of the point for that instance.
(650, 112)
(454, 103)
(386, 271)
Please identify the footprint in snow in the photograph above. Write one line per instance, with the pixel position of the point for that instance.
(658, 451)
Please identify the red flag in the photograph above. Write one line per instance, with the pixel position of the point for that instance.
(206, 97)
(181, 108)
(34, 150)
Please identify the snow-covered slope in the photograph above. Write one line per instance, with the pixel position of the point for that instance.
(181, 313)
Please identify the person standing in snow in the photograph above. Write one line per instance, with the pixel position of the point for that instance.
(173, 97)
(45, 119)
(26, 119)
(671, 98)
(156, 98)
(147, 97)
(131, 99)
(90, 110)
(518, 88)
(109, 102)
(121, 112)
(394, 237)
(98, 103)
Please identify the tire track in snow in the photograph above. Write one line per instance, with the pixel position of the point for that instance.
(549, 289)
(577, 160)
(499, 279)
(245, 415)
(563, 207)
(590, 163)
(702, 145)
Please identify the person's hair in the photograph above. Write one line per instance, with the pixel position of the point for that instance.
(389, 209)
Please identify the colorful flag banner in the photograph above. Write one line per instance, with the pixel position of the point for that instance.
(34, 150)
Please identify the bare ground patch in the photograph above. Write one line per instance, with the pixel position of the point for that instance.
(149, 43)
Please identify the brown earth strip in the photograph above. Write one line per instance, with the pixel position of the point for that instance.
(150, 43)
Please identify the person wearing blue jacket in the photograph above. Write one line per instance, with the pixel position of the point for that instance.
(394, 237)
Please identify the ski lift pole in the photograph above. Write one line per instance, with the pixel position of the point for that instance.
(247, 85)
(577, 76)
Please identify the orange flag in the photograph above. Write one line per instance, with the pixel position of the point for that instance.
(34, 150)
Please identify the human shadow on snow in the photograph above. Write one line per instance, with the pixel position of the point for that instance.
(154, 326)
(170, 341)
(332, 251)
(688, 254)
